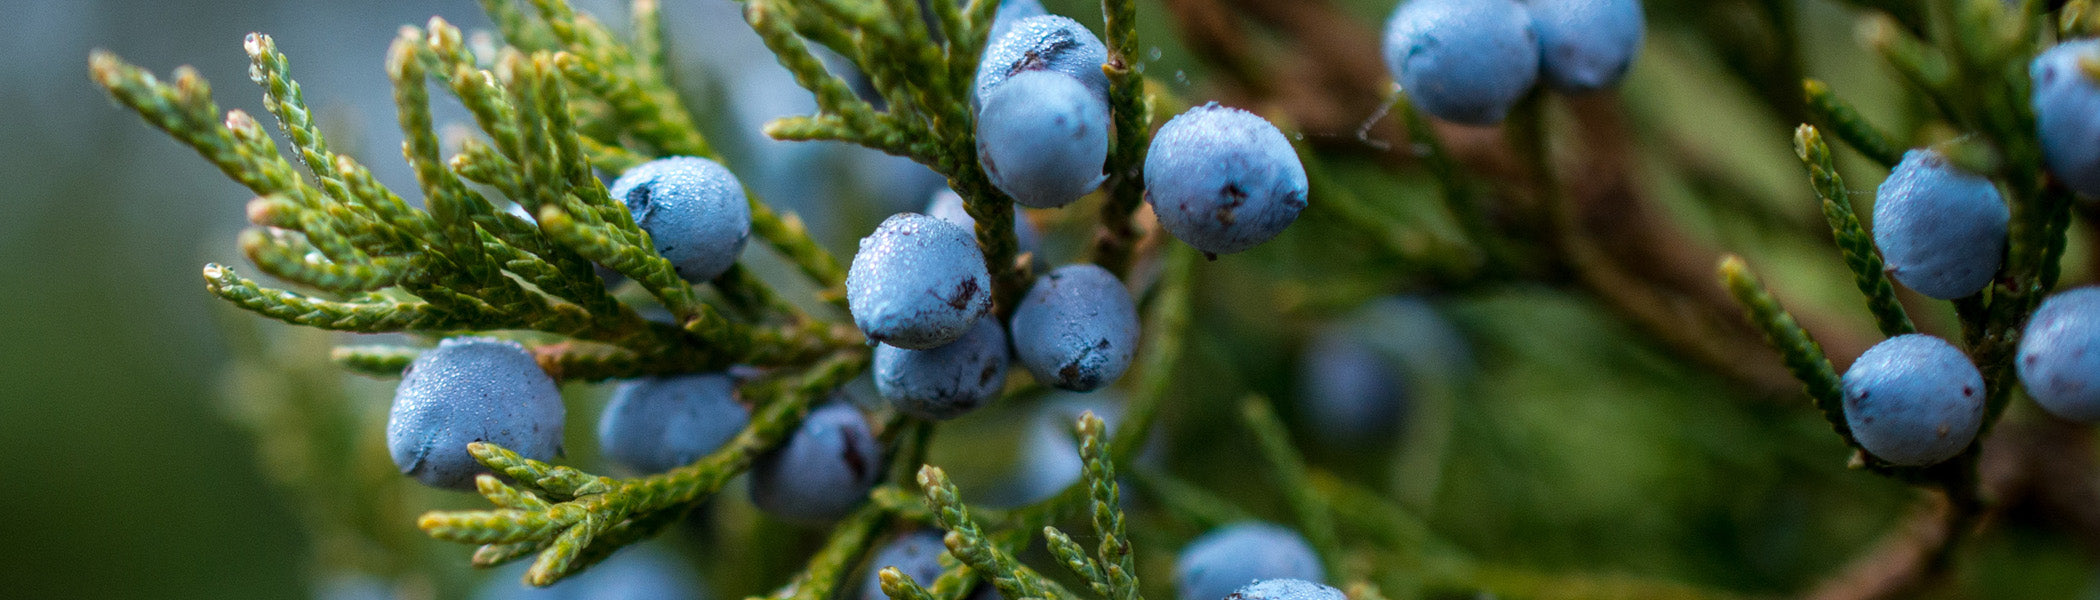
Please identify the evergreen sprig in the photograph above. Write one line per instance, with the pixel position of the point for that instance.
(565, 532)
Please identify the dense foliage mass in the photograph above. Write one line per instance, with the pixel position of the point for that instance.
(1114, 253)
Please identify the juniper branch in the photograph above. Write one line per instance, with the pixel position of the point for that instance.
(593, 504)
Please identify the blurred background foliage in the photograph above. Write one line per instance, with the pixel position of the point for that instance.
(1575, 443)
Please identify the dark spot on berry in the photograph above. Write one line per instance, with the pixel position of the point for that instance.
(985, 377)
(1101, 344)
(1069, 372)
(1867, 420)
(855, 462)
(1967, 391)
(639, 202)
(965, 291)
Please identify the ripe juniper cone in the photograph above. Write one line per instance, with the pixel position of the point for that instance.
(1587, 45)
(1349, 391)
(1913, 400)
(822, 471)
(918, 282)
(693, 209)
(471, 390)
(1049, 458)
(917, 554)
(661, 423)
(944, 382)
(1286, 589)
(1013, 11)
(1228, 557)
(1941, 230)
(2067, 113)
(1076, 329)
(948, 206)
(1048, 42)
(2060, 355)
(1465, 61)
(1043, 138)
(1222, 179)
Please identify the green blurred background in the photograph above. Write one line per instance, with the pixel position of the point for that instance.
(1580, 447)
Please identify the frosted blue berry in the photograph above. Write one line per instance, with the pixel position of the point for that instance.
(1043, 138)
(693, 209)
(661, 423)
(918, 282)
(1010, 12)
(948, 206)
(2060, 355)
(947, 381)
(1941, 230)
(1465, 61)
(1913, 400)
(1286, 589)
(1230, 557)
(1223, 179)
(633, 573)
(1076, 329)
(471, 390)
(1348, 390)
(2067, 113)
(1047, 42)
(1587, 45)
(917, 554)
(822, 471)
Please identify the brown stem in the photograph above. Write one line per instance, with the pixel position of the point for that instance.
(1918, 554)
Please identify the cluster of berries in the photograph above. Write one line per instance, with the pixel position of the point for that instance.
(1470, 61)
(1916, 399)
(918, 287)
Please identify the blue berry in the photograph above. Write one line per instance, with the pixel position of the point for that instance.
(822, 472)
(693, 209)
(1010, 12)
(2067, 113)
(1043, 138)
(1587, 45)
(1913, 400)
(1047, 42)
(634, 573)
(1465, 61)
(917, 554)
(1049, 458)
(1348, 391)
(944, 382)
(1286, 589)
(662, 423)
(2060, 355)
(471, 390)
(918, 282)
(1076, 329)
(1229, 557)
(948, 206)
(1223, 179)
(1941, 230)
